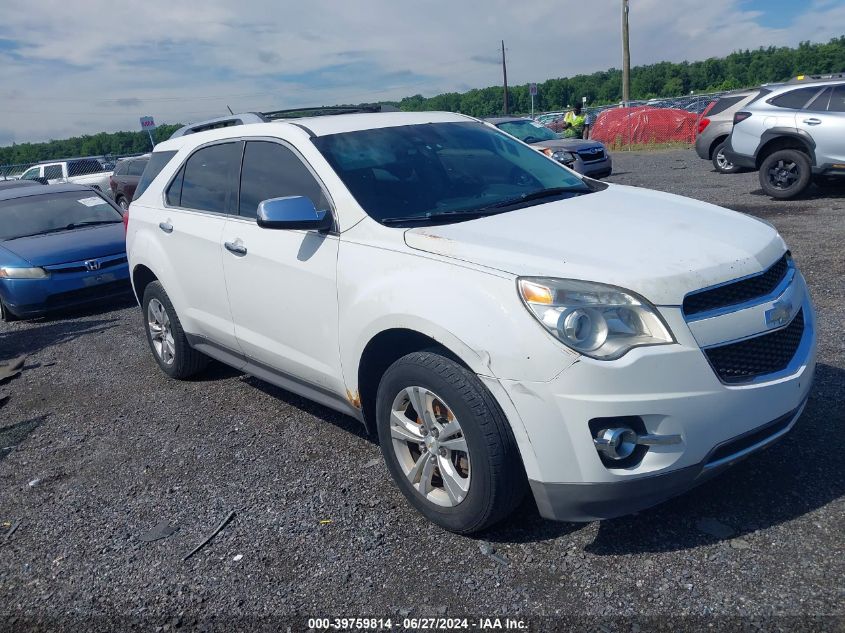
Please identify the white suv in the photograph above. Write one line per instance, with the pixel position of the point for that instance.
(503, 322)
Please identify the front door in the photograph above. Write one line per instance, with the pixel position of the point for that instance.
(282, 283)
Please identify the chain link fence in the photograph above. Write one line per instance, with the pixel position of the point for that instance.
(672, 121)
(90, 170)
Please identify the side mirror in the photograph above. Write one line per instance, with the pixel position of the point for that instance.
(292, 212)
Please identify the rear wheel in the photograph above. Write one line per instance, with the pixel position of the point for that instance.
(447, 443)
(166, 337)
(720, 161)
(785, 173)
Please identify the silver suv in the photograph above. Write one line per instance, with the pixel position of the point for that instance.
(716, 123)
(794, 136)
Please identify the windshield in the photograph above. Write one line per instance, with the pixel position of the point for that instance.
(527, 131)
(432, 170)
(50, 213)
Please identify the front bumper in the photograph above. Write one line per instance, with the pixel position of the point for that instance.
(673, 390)
(594, 169)
(28, 298)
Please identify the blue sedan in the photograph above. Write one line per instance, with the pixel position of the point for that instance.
(60, 246)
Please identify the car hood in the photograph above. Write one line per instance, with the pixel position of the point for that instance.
(569, 144)
(659, 245)
(69, 246)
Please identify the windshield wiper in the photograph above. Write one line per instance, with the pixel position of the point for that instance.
(69, 227)
(458, 214)
(536, 195)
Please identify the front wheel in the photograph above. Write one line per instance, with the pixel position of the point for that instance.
(785, 174)
(7, 315)
(447, 444)
(166, 337)
(720, 161)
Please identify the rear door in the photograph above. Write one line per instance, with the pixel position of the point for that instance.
(282, 283)
(190, 228)
(824, 120)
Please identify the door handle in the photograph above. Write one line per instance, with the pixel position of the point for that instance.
(167, 227)
(813, 121)
(237, 249)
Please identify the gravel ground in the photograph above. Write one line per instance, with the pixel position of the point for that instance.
(103, 447)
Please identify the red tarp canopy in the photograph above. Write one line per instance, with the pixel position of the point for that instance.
(642, 124)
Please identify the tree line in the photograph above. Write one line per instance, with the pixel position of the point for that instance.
(741, 69)
(666, 79)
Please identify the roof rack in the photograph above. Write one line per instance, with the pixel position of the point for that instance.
(803, 79)
(244, 118)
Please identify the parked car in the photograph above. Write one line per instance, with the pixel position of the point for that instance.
(587, 157)
(501, 321)
(125, 178)
(80, 171)
(716, 123)
(60, 246)
(793, 136)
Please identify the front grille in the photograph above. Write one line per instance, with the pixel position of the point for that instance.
(758, 356)
(91, 293)
(79, 267)
(743, 442)
(739, 291)
(588, 156)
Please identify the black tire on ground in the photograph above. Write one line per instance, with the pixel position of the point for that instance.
(785, 174)
(186, 360)
(722, 164)
(7, 315)
(497, 477)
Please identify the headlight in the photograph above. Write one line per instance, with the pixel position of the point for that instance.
(562, 156)
(10, 272)
(596, 320)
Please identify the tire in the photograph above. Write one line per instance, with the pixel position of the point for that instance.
(7, 315)
(494, 482)
(785, 174)
(166, 337)
(722, 164)
(122, 203)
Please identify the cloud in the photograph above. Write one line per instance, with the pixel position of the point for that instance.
(71, 74)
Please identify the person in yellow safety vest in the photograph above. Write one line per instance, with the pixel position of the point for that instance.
(573, 123)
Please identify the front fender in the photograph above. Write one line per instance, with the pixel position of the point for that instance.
(477, 315)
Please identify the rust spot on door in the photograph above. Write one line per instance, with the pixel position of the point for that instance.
(354, 398)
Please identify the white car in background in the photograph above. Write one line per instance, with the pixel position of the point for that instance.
(80, 171)
(502, 322)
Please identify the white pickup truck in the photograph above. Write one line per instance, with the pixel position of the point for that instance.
(80, 171)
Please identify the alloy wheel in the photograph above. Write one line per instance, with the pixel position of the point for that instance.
(161, 334)
(723, 162)
(430, 446)
(783, 174)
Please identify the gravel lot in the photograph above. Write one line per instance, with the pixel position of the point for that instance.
(102, 447)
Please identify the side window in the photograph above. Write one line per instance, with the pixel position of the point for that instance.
(31, 173)
(209, 181)
(837, 100)
(819, 104)
(52, 171)
(136, 167)
(120, 168)
(795, 99)
(271, 170)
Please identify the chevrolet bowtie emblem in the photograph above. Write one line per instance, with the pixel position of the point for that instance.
(779, 314)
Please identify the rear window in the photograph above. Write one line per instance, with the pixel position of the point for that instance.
(120, 168)
(84, 167)
(153, 168)
(724, 103)
(53, 213)
(795, 99)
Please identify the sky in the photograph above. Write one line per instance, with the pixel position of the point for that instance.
(71, 68)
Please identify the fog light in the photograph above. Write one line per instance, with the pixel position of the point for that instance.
(617, 443)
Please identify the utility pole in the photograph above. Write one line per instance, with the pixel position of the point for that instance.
(626, 56)
(505, 74)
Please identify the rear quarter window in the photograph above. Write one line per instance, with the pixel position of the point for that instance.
(725, 103)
